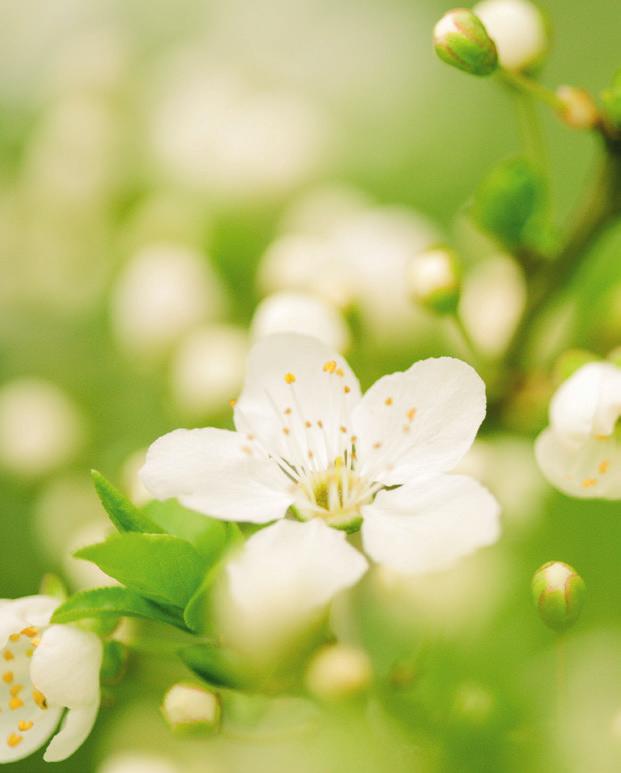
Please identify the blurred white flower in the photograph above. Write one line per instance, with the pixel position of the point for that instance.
(48, 668)
(294, 312)
(138, 762)
(163, 292)
(338, 671)
(492, 300)
(518, 29)
(283, 577)
(213, 131)
(84, 574)
(361, 257)
(579, 453)
(208, 369)
(307, 439)
(40, 427)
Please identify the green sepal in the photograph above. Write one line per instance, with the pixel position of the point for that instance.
(161, 567)
(197, 611)
(111, 603)
(114, 662)
(216, 666)
(123, 513)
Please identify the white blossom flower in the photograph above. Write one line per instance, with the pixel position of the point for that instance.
(307, 442)
(47, 669)
(297, 312)
(579, 453)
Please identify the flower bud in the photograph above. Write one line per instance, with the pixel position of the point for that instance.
(559, 594)
(434, 279)
(518, 29)
(577, 107)
(189, 707)
(612, 101)
(460, 39)
(338, 671)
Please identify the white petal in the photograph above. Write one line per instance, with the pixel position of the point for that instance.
(289, 570)
(65, 666)
(16, 614)
(322, 391)
(217, 472)
(588, 403)
(420, 422)
(76, 726)
(590, 470)
(44, 723)
(427, 526)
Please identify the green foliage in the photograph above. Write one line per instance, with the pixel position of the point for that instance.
(159, 566)
(209, 536)
(111, 603)
(114, 663)
(52, 585)
(123, 514)
(216, 666)
(510, 205)
(611, 98)
(196, 614)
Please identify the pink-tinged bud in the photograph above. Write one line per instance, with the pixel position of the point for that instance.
(461, 40)
(577, 107)
(559, 594)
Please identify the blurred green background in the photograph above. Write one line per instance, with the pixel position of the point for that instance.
(104, 111)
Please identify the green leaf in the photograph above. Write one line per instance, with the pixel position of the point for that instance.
(197, 610)
(510, 204)
(110, 603)
(123, 514)
(52, 585)
(215, 665)
(114, 662)
(162, 567)
(209, 536)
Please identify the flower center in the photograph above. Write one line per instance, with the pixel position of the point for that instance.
(17, 695)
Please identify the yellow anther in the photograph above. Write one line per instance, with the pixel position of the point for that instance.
(247, 450)
(377, 445)
(601, 437)
(289, 378)
(250, 437)
(14, 637)
(589, 482)
(343, 429)
(233, 403)
(29, 653)
(406, 427)
(330, 366)
(30, 632)
(411, 414)
(16, 689)
(311, 455)
(346, 389)
(15, 703)
(8, 655)
(39, 699)
(338, 462)
(14, 740)
(320, 424)
(36, 641)
(287, 411)
(340, 372)
(354, 438)
(603, 466)
(308, 424)
(7, 677)
(24, 725)
(285, 430)
(388, 401)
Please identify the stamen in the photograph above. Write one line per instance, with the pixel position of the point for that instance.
(411, 414)
(346, 389)
(8, 655)
(39, 699)
(14, 637)
(30, 632)
(24, 725)
(16, 703)
(233, 402)
(14, 740)
(7, 677)
(589, 482)
(388, 401)
(330, 366)
(16, 689)
(603, 466)
(289, 378)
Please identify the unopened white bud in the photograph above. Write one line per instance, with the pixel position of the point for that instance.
(577, 107)
(190, 707)
(518, 29)
(433, 279)
(338, 671)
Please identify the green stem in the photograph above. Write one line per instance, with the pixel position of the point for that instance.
(600, 206)
(479, 360)
(527, 85)
(530, 129)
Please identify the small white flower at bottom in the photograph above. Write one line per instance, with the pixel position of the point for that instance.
(45, 670)
(580, 452)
